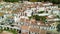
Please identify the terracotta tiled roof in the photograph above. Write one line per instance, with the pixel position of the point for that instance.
(24, 27)
(33, 21)
(22, 19)
(31, 29)
(24, 32)
(34, 30)
(42, 32)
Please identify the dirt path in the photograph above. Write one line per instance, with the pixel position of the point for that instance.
(6, 32)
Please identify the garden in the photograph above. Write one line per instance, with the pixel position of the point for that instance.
(9, 30)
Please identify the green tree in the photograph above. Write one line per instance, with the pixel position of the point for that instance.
(55, 1)
(58, 27)
(58, 16)
(11, 0)
(40, 0)
(39, 18)
(36, 17)
(58, 5)
(41, 12)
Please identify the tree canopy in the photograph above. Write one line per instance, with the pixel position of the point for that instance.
(41, 12)
(38, 18)
(11, 0)
(58, 27)
(53, 1)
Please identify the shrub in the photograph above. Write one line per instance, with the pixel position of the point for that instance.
(41, 12)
